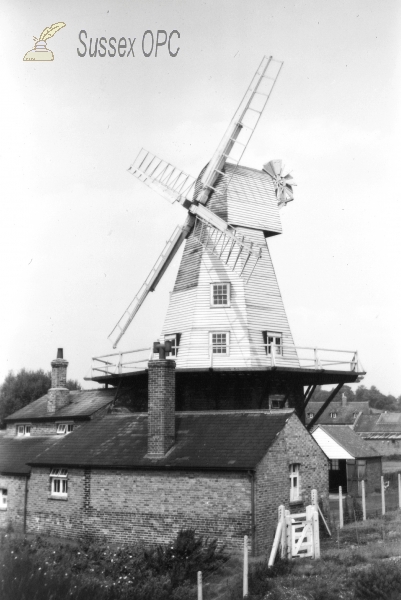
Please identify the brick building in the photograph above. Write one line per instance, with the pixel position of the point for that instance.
(143, 476)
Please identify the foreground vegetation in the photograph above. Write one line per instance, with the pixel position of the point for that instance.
(360, 562)
(38, 569)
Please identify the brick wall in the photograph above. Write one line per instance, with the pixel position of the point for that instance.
(128, 506)
(293, 445)
(14, 514)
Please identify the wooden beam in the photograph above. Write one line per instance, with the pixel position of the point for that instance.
(308, 396)
(325, 405)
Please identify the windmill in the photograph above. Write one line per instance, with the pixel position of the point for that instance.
(226, 307)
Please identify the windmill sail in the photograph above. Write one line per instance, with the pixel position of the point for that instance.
(160, 266)
(168, 181)
(242, 126)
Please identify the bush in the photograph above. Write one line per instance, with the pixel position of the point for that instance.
(380, 582)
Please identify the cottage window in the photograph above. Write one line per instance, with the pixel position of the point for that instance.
(23, 430)
(270, 340)
(311, 415)
(219, 342)
(220, 294)
(295, 488)
(63, 428)
(175, 342)
(355, 415)
(3, 499)
(58, 483)
(334, 465)
(333, 415)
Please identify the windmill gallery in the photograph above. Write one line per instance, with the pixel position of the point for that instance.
(205, 428)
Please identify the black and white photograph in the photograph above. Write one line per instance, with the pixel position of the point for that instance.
(200, 359)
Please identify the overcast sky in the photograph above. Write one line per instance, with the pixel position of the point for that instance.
(79, 234)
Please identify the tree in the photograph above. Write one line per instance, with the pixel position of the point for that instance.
(23, 388)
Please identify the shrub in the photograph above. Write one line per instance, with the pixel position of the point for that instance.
(381, 582)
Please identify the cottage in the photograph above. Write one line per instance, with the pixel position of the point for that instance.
(143, 476)
(352, 460)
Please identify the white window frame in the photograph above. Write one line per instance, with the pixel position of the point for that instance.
(59, 483)
(214, 345)
(64, 428)
(3, 499)
(214, 286)
(273, 338)
(23, 429)
(295, 482)
(175, 339)
(333, 415)
(311, 415)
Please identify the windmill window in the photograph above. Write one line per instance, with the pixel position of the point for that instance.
(333, 415)
(3, 499)
(270, 340)
(64, 428)
(219, 341)
(334, 465)
(23, 430)
(58, 483)
(175, 342)
(295, 487)
(220, 294)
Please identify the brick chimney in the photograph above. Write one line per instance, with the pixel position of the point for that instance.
(58, 395)
(343, 400)
(161, 407)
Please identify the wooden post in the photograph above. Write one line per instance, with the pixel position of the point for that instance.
(276, 542)
(314, 499)
(281, 517)
(315, 529)
(340, 506)
(245, 581)
(363, 501)
(399, 490)
(200, 594)
(383, 497)
(288, 534)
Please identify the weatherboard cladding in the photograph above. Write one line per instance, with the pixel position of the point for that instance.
(213, 440)
(82, 404)
(349, 440)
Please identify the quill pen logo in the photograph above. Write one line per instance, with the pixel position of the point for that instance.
(40, 51)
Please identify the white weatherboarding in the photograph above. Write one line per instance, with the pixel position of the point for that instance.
(226, 309)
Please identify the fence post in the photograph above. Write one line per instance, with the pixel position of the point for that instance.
(363, 501)
(281, 516)
(200, 594)
(245, 581)
(399, 490)
(383, 497)
(314, 499)
(340, 506)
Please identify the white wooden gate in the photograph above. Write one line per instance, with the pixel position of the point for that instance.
(300, 533)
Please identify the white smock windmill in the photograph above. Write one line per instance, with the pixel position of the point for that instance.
(226, 304)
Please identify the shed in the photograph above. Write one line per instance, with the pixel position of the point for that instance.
(352, 460)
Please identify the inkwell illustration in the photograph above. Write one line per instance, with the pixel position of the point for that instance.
(40, 52)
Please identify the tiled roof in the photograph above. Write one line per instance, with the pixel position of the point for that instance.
(350, 440)
(214, 440)
(15, 452)
(379, 423)
(83, 404)
(345, 414)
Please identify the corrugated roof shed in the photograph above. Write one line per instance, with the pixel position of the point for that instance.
(83, 404)
(213, 440)
(16, 452)
(379, 426)
(350, 441)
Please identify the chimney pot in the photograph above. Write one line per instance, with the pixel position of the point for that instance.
(59, 353)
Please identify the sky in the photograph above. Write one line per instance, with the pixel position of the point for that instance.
(79, 234)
